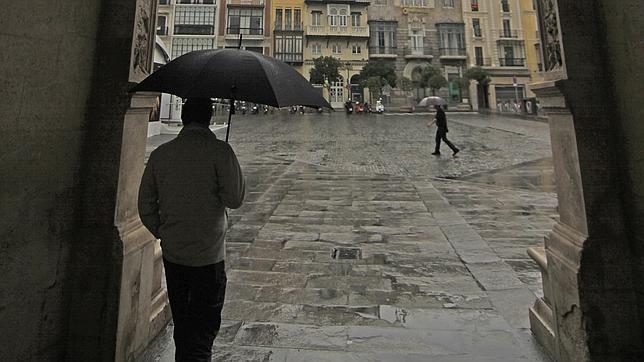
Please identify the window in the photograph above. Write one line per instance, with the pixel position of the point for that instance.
(278, 19)
(316, 18)
(333, 17)
(416, 40)
(475, 5)
(194, 20)
(383, 37)
(452, 39)
(336, 49)
(505, 6)
(162, 27)
(414, 2)
(448, 3)
(288, 48)
(245, 20)
(181, 46)
(297, 19)
(507, 30)
(478, 55)
(288, 19)
(355, 19)
(316, 48)
(476, 25)
(164, 2)
(356, 49)
(343, 17)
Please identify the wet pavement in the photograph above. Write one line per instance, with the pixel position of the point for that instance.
(355, 244)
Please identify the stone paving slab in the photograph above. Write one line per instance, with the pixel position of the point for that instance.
(440, 275)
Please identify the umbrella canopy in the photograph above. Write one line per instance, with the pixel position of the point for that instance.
(431, 101)
(233, 74)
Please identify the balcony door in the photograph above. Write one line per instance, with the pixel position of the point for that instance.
(508, 54)
(416, 42)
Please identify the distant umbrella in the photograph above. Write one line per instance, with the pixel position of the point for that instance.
(236, 75)
(431, 101)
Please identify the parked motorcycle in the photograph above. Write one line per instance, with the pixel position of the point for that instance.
(348, 107)
(265, 109)
(254, 110)
(380, 109)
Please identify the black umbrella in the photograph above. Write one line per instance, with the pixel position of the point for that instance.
(236, 75)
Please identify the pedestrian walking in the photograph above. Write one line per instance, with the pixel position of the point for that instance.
(441, 131)
(186, 187)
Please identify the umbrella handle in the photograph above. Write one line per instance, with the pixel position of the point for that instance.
(230, 113)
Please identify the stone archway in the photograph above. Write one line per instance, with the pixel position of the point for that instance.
(593, 259)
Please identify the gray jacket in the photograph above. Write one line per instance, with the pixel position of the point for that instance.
(186, 187)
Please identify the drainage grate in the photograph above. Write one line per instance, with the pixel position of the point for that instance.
(346, 253)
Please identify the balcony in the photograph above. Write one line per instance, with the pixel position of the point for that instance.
(483, 62)
(453, 53)
(512, 62)
(191, 29)
(251, 3)
(418, 53)
(382, 52)
(245, 31)
(290, 58)
(338, 30)
(283, 27)
(509, 34)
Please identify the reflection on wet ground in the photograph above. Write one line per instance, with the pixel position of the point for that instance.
(349, 248)
(537, 175)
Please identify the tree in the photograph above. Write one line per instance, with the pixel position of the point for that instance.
(463, 84)
(482, 77)
(405, 84)
(427, 73)
(325, 70)
(375, 85)
(381, 69)
(436, 82)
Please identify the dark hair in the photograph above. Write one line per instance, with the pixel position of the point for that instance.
(438, 107)
(198, 110)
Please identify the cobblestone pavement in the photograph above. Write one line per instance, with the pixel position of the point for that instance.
(355, 244)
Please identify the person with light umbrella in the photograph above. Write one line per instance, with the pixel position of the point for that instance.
(441, 131)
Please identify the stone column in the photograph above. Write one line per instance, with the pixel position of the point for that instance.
(588, 308)
(117, 303)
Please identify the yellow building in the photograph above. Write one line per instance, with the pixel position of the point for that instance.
(338, 28)
(288, 32)
(532, 42)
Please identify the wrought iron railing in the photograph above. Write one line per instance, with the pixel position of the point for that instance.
(512, 62)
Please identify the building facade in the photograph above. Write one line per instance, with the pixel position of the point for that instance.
(250, 19)
(184, 26)
(288, 32)
(532, 36)
(413, 34)
(338, 28)
(496, 42)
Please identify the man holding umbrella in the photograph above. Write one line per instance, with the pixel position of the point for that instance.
(441, 131)
(186, 187)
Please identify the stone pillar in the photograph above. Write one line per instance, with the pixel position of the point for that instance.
(589, 309)
(118, 304)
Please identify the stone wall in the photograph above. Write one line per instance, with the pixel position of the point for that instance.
(625, 53)
(46, 66)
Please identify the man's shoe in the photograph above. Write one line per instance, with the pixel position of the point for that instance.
(436, 153)
(457, 151)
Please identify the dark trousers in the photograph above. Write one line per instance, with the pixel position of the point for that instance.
(442, 135)
(196, 298)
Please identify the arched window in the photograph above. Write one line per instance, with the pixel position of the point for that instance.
(333, 17)
(343, 17)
